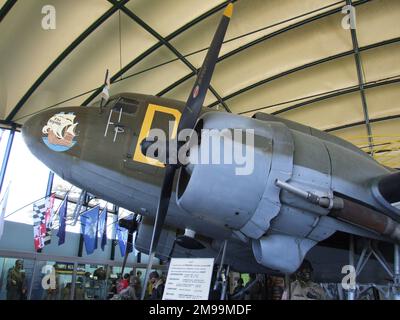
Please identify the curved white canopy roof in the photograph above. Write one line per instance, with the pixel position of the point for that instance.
(291, 58)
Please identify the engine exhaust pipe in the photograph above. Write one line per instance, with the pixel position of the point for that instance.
(349, 211)
(368, 218)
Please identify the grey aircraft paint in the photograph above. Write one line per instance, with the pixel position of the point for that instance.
(259, 219)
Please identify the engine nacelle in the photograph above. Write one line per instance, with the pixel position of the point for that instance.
(229, 199)
(282, 226)
(236, 167)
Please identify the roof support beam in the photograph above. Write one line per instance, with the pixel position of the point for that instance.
(261, 39)
(325, 95)
(9, 125)
(305, 66)
(6, 8)
(6, 157)
(335, 93)
(360, 76)
(175, 84)
(359, 123)
(142, 56)
(63, 55)
(170, 47)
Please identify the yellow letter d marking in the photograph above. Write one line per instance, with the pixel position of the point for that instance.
(146, 126)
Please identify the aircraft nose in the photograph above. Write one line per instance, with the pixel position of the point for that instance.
(31, 132)
(50, 135)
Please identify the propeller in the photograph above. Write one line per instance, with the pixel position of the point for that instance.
(188, 120)
(131, 225)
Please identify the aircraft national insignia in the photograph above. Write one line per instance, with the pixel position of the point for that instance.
(60, 132)
(196, 92)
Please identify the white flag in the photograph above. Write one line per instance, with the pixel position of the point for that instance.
(3, 206)
(105, 94)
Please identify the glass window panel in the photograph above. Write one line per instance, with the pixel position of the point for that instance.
(52, 281)
(4, 134)
(61, 187)
(28, 177)
(128, 287)
(140, 274)
(15, 278)
(94, 280)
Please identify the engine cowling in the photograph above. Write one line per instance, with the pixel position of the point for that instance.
(281, 225)
(248, 203)
(234, 188)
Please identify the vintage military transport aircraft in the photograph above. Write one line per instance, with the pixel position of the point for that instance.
(305, 186)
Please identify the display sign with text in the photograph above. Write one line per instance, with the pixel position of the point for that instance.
(188, 279)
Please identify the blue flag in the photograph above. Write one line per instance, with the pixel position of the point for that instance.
(122, 236)
(103, 227)
(89, 222)
(62, 222)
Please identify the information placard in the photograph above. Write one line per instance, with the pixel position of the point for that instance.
(188, 279)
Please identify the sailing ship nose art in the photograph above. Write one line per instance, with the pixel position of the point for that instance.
(60, 132)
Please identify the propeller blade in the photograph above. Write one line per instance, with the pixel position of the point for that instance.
(162, 210)
(131, 225)
(163, 205)
(188, 120)
(199, 91)
(107, 79)
(125, 260)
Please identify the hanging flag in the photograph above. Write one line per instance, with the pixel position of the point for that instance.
(39, 225)
(78, 207)
(62, 212)
(97, 230)
(42, 211)
(103, 227)
(89, 222)
(122, 236)
(105, 94)
(3, 206)
(49, 218)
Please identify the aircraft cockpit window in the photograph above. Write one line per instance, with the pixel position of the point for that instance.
(129, 106)
(111, 102)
